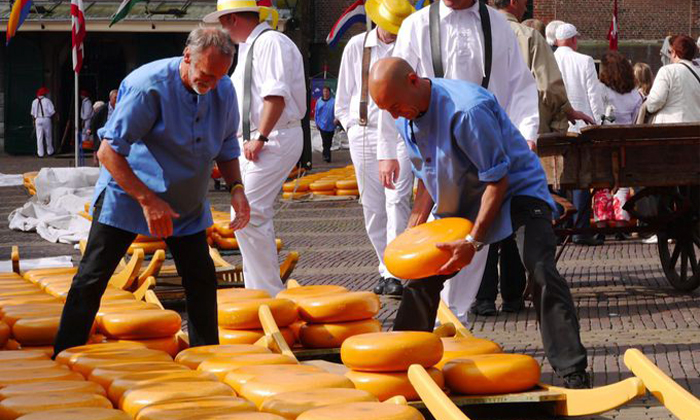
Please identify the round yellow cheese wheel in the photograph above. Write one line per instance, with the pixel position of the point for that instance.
(339, 307)
(235, 294)
(296, 186)
(347, 193)
(121, 385)
(346, 184)
(327, 336)
(13, 407)
(9, 355)
(10, 318)
(36, 331)
(141, 324)
(35, 298)
(294, 196)
(262, 387)
(327, 192)
(135, 306)
(194, 356)
(105, 375)
(136, 399)
(68, 356)
(385, 385)
(320, 185)
(227, 336)
(391, 351)
(35, 388)
(78, 413)
(455, 347)
(413, 255)
(291, 404)
(295, 294)
(4, 333)
(492, 374)
(29, 364)
(86, 363)
(195, 408)
(222, 365)
(363, 411)
(242, 315)
(238, 377)
(170, 345)
(25, 376)
(223, 229)
(224, 243)
(148, 247)
(33, 275)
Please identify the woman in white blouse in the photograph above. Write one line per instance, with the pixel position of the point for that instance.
(675, 95)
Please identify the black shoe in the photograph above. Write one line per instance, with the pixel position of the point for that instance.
(379, 288)
(577, 380)
(393, 287)
(484, 308)
(587, 240)
(513, 306)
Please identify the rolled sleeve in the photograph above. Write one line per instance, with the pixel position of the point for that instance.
(131, 120)
(275, 81)
(477, 134)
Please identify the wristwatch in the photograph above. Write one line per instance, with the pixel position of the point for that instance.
(262, 138)
(478, 246)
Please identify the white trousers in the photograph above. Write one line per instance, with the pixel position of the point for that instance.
(385, 211)
(460, 291)
(43, 135)
(263, 181)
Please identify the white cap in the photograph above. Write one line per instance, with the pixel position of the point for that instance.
(566, 31)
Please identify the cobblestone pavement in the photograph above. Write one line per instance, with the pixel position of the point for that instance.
(622, 297)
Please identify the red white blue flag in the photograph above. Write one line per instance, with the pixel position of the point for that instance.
(352, 15)
(77, 33)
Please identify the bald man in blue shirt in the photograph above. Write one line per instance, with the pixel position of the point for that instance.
(474, 163)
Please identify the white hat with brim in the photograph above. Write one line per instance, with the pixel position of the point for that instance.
(566, 31)
(225, 7)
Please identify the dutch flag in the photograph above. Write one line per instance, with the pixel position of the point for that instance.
(354, 14)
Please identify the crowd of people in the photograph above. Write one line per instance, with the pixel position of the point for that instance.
(450, 98)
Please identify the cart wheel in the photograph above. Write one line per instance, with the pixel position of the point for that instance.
(679, 244)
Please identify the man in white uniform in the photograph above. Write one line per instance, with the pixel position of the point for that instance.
(386, 211)
(42, 111)
(271, 138)
(86, 113)
(463, 50)
(585, 94)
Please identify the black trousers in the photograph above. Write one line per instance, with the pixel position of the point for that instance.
(327, 137)
(105, 247)
(512, 276)
(532, 224)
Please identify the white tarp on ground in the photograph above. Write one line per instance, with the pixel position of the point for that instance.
(63, 261)
(11, 180)
(61, 194)
(340, 139)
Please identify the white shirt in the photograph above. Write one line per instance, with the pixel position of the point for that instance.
(626, 105)
(582, 84)
(675, 94)
(86, 110)
(461, 40)
(349, 90)
(278, 70)
(46, 110)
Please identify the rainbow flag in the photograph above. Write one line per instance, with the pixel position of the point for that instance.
(19, 12)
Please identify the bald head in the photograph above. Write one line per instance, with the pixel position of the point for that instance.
(395, 87)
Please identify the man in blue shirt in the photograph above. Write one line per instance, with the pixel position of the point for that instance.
(475, 164)
(175, 117)
(325, 121)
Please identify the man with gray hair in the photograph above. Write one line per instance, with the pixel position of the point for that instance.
(175, 117)
(551, 32)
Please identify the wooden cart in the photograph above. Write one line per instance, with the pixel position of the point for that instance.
(660, 161)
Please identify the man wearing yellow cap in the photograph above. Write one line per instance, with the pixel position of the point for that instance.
(271, 91)
(386, 211)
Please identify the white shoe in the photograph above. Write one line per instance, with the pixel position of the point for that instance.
(651, 240)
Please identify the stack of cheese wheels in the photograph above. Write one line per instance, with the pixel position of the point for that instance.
(347, 187)
(323, 183)
(149, 244)
(28, 182)
(456, 347)
(379, 362)
(413, 254)
(333, 317)
(297, 188)
(492, 374)
(221, 236)
(262, 387)
(154, 327)
(239, 322)
(291, 405)
(32, 383)
(363, 411)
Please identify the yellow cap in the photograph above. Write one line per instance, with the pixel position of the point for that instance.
(388, 14)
